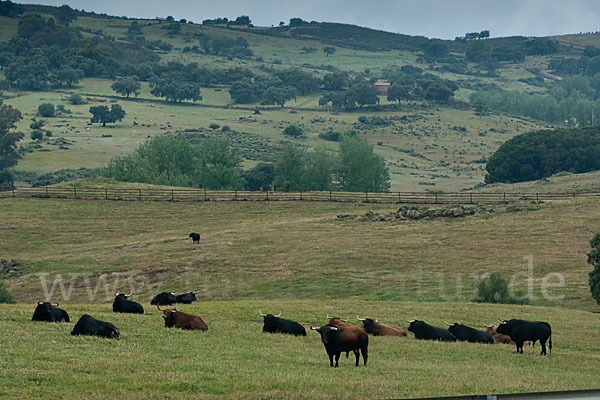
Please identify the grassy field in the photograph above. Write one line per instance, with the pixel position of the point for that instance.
(291, 250)
(235, 360)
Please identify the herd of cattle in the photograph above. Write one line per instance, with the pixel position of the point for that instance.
(338, 336)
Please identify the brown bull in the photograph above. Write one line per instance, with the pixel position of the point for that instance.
(499, 337)
(177, 319)
(376, 328)
(347, 334)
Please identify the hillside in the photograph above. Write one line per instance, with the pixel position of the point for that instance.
(426, 145)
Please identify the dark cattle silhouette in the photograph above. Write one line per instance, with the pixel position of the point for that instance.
(423, 330)
(520, 331)
(195, 237)
(276, 324)
(122, 305)
(177, 319)
(376, 328)
(338, 339)
(164, 299)
(467, 334)
(88, 325)
(186, 298)
(49, 312)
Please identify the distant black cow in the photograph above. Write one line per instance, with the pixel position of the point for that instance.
(88, 325)
(467, 334)
(425, 331)
(520, 331)
(122, 305)
(195, 237)
(275, 324)
(49, 312)
(186, 298)
(338, 339)
(164, 299)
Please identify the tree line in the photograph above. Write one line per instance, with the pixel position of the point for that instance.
(213, 163)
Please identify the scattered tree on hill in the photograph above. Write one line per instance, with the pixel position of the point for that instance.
(126, 86)
(134, 28)
(278, 95)
(360, 168)
(174, 89)
(10, 9)
(65, 15)
(260, 177)
(46, 110)
(594, 260)
(104, 115)
(328, 50)
(9, 155)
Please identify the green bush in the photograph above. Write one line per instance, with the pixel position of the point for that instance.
(293, 130)
(76, 99)
(495, 289)
(594, 259)
(214, 126)
(37, 134)
(5, 296)
(46, 110)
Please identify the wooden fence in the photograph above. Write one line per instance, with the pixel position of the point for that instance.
(98, 193)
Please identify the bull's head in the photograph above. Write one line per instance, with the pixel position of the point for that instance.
(413, 323)
(367, 323)
(327, 332)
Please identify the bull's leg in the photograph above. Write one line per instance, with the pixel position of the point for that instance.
(337, 358)
(365, 354)
(331, 360)
(357, 355)
(347, 353)
(543, 343)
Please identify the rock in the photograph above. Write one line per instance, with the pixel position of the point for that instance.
(432, 212)
(380, 217)
(457, 212)
(9, 266)
(369, 213)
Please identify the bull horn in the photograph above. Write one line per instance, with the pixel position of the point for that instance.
(487, 325)
(360, 319)
(40, 302)
(54, 304)
(174, 309)
(196, 292)
(313, 329)
(376, 320)
(279, 315)
(261, 314)
(410, 322)
(161, 309)
(333, 328)
(116, 294)
(129, 295)
(448, 323)
(328, 317)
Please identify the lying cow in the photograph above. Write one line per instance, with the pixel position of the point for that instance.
(177, 319)
(276, 324)
(49, 312)
(467, 334)
(520, 331)
(338, 339)
(376, 328)
(164, 299)
(88, 325)
(186, 298)
(425, 331)
(122, 305)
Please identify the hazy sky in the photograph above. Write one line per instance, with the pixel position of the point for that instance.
(444, 19)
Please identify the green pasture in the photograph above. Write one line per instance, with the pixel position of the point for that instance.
(235, 360)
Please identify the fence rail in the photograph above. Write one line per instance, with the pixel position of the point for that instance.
(100, 193)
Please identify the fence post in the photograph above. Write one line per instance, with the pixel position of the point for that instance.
(399, 198)
(471, 197)
(46, 190)
(140, 194)
(436, 199)
(13, 188)
(236, 194)
(105, 194)
(75, 190)
(204, 194)
(267, 194)
(504, 197)
(301, 195)
(329, 195)
(366, 196)
(172, 194)
(537, 197)
(573, 194)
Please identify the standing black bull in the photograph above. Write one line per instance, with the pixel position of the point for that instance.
(88, 325)
(186, 298)
(275, 324)
(49, 312)
(467, 334)
(122, 305)
(520, 331)
(425, 331)
(195, 237)
(338, 339)
(164, 299)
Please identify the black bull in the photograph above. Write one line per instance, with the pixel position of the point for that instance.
(521, 331)
(467, 334)
(49, 312)
(338, 339)
(164, 299)
(423, 330)
(186, 298)
(88, 325)
(122, 305)
(275, 324)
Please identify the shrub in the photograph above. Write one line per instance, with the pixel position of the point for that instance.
(332, 136)
(76, 99)
(37, 134)
(225, 128)
(5, 296)
(37, 123)
(594, 259)
(214, 126)
(293, 130)
(495, 289)
(46, 110)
